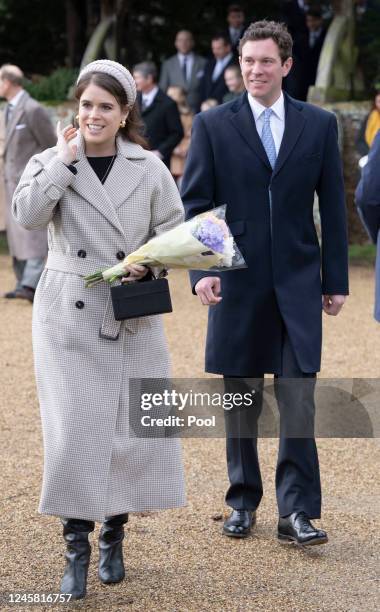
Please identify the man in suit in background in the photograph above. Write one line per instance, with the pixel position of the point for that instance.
(28, 130)
(265, 155)
(212, 84)
(236, 26)
(185, 69)
(163, 127)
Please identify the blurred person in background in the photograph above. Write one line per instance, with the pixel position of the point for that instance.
(236, 26)
(367, 197)
(163, 127)
(307, 50)
(28, 130)
(212, 84)
(370, 126)
(184, 69)
(234, 82)
(177, 162)
(209, 103)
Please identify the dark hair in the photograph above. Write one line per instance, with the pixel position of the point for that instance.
(147, 69)
(235, 8)
(134, 127)
(314, 12)
(261, 30)
(221, 36)
(375, 94)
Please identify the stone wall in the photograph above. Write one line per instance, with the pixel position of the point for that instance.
(350, 116)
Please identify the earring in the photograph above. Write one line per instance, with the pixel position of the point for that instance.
(123, 123)
(77, 118)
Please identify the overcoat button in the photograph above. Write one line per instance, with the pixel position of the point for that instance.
(82, 253)
(79, 304)
(120, 255)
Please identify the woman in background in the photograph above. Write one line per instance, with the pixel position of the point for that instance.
(369, 127)
(178, 158)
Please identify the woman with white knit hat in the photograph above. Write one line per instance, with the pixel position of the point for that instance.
(100, 199)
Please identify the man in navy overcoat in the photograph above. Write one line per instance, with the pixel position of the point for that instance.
(265, 155)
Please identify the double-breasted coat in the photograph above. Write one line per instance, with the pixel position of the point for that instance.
(29, 131)
(84, 358)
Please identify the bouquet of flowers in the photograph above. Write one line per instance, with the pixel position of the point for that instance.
(201, 243)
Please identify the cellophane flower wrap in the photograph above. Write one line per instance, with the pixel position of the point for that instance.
(201, 243)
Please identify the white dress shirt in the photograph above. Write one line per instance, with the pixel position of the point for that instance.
(12, 105)
(147, 98)
(220, 66)
(189, 63)
(277, 118)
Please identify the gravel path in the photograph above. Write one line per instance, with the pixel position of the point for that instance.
(177, 560)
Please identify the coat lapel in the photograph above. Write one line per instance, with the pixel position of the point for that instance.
(294, 125)
(244, 122)
(16, 116)
(122, 180)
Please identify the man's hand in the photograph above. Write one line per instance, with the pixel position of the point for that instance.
(332, 304)
(208, 289)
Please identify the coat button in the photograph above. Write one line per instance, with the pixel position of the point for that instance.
(120, 255)
(79, 304)
(82, 253)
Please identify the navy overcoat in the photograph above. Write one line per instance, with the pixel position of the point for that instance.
(271, 217)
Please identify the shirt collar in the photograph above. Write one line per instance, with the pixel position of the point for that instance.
(181, 56)
(16, 99)
(278, 107)
(225, 59)
(149, 97)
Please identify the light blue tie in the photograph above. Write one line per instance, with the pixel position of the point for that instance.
(267, 138)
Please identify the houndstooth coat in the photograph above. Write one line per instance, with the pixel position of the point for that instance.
(83, 357)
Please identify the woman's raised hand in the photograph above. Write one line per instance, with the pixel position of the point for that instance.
(66, 152)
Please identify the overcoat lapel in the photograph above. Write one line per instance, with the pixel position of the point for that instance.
(16, 116)
(244, 122)
(294, 125)
(122, 180)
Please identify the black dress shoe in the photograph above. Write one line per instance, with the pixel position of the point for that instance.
(25, 293)
(239, 523)
(297, 529)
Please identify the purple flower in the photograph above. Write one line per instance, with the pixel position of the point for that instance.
(210, 234)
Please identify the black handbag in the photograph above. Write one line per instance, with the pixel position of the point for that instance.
(141, 298)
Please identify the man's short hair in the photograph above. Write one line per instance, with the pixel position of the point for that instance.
(235, 8)
(147, 69)
(261, 30)
(314, 12)
(223, 36)
(12, 73)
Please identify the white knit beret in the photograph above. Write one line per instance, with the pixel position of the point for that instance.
(117, 71)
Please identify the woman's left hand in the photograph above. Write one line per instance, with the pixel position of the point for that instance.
(135, 273)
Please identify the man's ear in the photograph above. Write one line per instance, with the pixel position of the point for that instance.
(286, 66)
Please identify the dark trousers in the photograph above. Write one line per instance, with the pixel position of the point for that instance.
(298, 484)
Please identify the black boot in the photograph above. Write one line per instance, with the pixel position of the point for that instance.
(75, 532)
(111, 566)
